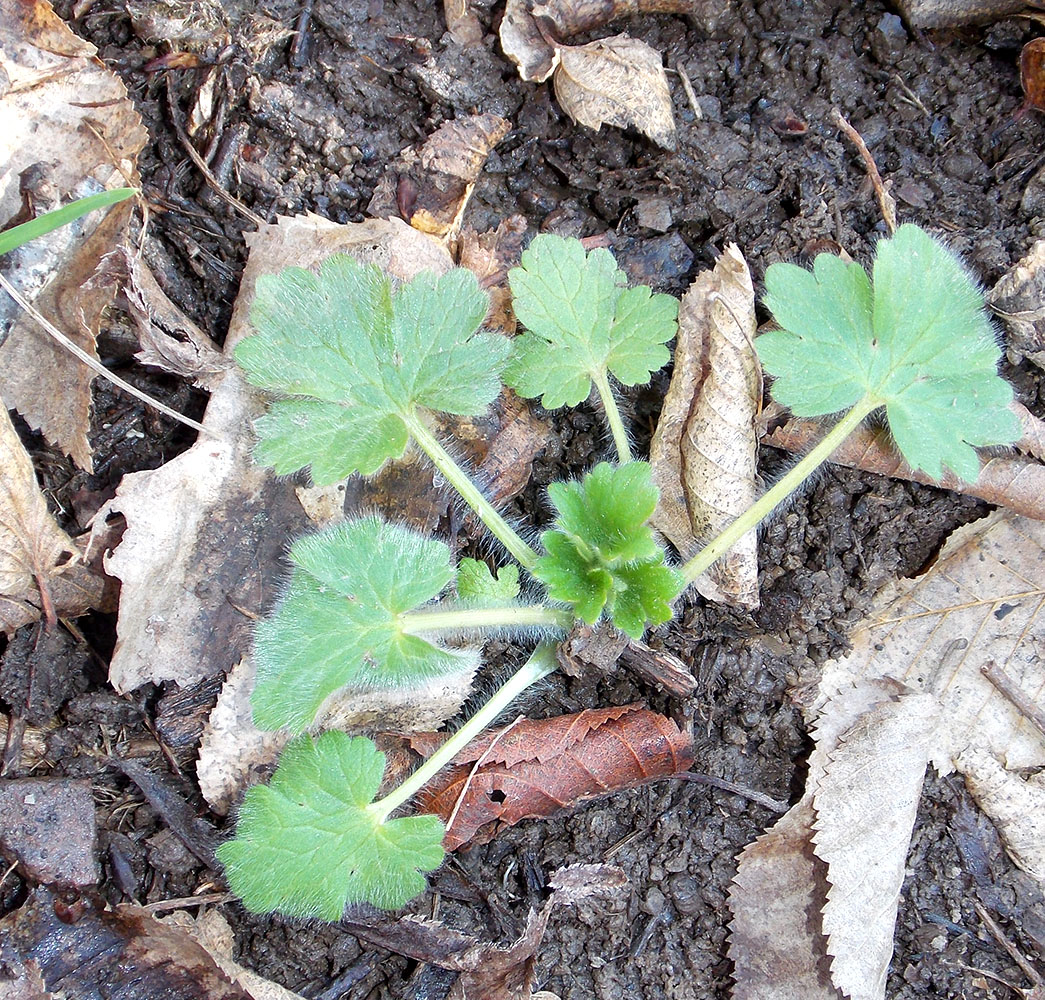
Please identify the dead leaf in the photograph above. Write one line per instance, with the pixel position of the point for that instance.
(461, 22)
(1016, 483)
(489, 256)
(59, 97)
(430, 186)
(1018, 299)
(951, 13)
(89, 950)
(1032, 74)
(525, 44)
(617, 81)
(487, 971)
(33, 549)
(539, 768)
(704, 450)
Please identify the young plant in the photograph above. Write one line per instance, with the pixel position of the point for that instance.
(360, 362)
(25, 232)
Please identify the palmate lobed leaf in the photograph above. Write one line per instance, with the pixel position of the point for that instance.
(337, 624)
(478, 587)
(306, 845)
(917, 340)
(601, 557)
(356, 354)
(581, 322)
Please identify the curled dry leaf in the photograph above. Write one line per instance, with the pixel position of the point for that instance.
(58, 96)
(618, 81)
(1018, 299)
(33, 549)
(461, 22)
(703, 451)
(951, 13)
(1016, 483)
(538, 768)
(526, 44)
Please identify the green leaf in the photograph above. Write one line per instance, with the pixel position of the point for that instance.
(337, 624)
(359, 355)
(602, 557)
(581, 322)
(476, 585)
(21, 234)
(917, 340)
(306, 844)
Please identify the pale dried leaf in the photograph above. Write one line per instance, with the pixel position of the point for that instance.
(703, 451)
(206, 531)
(981, 600)
(1033, 440)
(865, 806)
(616, 81)
(524, 43)
(1016, 804)
(1014, 482)
(59, 97)
(33, 549)
(461, 22)
(1018, 299)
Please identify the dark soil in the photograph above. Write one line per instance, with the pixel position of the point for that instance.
(375, 77)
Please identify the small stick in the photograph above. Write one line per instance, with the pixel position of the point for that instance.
(776, 805)
(690, 95)
(885, 200)
(184, 902)
(1014, 693)
(95, 365)
(996, 932)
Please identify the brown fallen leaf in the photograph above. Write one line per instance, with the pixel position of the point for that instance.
(489, 256)
(429, 186)
(461, 22)
(951, 13)
(33, 549)
(58, 96)
(618, 81)
(1032, 75)
(526, 44)
(1016, 483)
(538, 768)
(76, 950)
(487, 971)
(703, 452)
(1018, 299)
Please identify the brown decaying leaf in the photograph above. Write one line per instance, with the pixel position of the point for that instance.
(486, 971)
(461, 22)
(60, 97)
(703, 451)
(1016, 483)
(1032, 74)
(569, 17)
(1018, 299)
(951, 13)
(618, 81)
(538, 768)
(489, 256)
(33, 549)
(86, 953)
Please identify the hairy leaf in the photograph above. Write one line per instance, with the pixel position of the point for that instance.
(358, 355)
(917, 341)
(306, 844)
(602, 556)
(337, 624)
(582, 322)
(477, 585)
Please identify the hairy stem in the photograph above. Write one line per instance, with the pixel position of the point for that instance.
(455, 619)
(469, 492)
(609, 404)
(802, 470)
(541, 663)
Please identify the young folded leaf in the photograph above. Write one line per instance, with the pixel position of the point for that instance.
(307, 845)
(582, 323)
(360, 356)
(339, 622)
(918, 342)
(602, 555)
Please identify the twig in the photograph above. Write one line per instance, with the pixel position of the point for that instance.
(688, 88)
(184, 902)
(996, 932)
(886, 203)
(776, 805)
(93, 363)
(1014, 693)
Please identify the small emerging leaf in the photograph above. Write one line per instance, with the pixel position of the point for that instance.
(602, 555)
(338, 623)
(917, 341)
(306, 844)
(477, 585)
(582, 322)
(358, 355)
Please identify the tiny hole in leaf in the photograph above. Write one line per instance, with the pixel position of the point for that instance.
(497, 795)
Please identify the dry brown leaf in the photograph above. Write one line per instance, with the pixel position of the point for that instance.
(866, 803)
(618, 81)
(1016, 483)
(525, 44)
(488, 256)
(1018, 299)
(950, 13)
(703, 451)
(461, 22)
(59, 96)
(33, 549)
